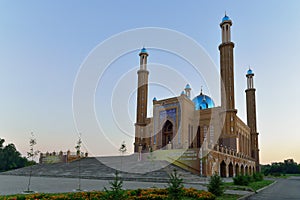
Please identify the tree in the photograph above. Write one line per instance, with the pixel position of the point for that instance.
(175, 186)
(116, 191)
(215, 185)
(31, 155)
(278, 168)
(122, 149)
(10, 158)
(1, 142)
(78, 152)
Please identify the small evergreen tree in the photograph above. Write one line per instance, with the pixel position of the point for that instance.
(31, 155)
(175, 186)
(123, 150)
(215, 185)
(78, 152)
(116, 191)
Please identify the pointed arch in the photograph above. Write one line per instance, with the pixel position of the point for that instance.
(223, 169)
(230, 169)
(167, 133)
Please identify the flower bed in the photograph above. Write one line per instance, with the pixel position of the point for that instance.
(138, 194)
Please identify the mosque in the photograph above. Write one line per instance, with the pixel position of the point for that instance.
(213, 138)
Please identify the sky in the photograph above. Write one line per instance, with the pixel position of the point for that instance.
(43, 45)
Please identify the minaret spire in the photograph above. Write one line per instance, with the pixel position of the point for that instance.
(251, 117)
(142, 99)
(227, 65)
(228, 137)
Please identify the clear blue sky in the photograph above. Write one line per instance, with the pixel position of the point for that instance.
(43, 43)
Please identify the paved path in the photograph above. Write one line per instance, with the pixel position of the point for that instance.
(17, 184)
(284, 189)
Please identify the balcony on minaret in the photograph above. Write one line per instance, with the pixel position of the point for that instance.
(225, 25)
(249, 76)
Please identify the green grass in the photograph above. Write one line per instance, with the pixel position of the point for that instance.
(260, 184)
(253, 186)
(229, 197)
(289, 175)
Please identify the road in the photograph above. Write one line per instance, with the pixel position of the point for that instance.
(284, 189)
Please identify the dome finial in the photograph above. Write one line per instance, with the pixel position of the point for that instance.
(201, 90)
(250, 72)
(143, 50)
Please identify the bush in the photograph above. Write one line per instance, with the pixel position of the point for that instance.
(116, 191)
(175, 186)
(242, 180)
(277, 174)
(257, 177)
(196, 194)
(215, 185)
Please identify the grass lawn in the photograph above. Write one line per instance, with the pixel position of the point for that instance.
(260, 184)
(253, 186)
(228, 197)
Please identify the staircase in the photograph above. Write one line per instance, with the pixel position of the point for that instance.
(104, 168)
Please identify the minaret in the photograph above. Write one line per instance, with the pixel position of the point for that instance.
(142, 97)
(251, 117)
(227, 65)
(228, 137)
(187, 90)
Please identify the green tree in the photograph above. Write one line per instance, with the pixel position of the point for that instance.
(175, 186)
(123, 150)
(10, 158)
(215, 185)
(78, 152)
(116, 191)
(31, 154)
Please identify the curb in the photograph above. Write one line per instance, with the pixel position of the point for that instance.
(247, 196)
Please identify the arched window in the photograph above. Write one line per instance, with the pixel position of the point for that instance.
(211, 134)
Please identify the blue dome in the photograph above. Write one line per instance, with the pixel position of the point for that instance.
(225, 18)
(249, 71)
(143, 50)
(182, 93)
(203, 102)
(187, 86)
(154, 99)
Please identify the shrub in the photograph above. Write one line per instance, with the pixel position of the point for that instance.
(175, 186)
(195, 194)
(277, 174)
(241, 180)
(258, 177)
(116, 191)
(215, 185)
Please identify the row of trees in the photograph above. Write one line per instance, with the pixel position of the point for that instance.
(10, 158)
(287, 167)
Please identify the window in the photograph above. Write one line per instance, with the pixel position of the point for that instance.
(205, 132)
(211, 134)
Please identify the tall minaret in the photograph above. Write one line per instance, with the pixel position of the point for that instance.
(251, 117)
(142, 97)
(227, 65)
(228, 137)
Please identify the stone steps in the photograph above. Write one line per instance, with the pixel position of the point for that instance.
(104, 168)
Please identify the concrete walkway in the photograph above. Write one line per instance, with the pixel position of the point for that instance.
(17, 184)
